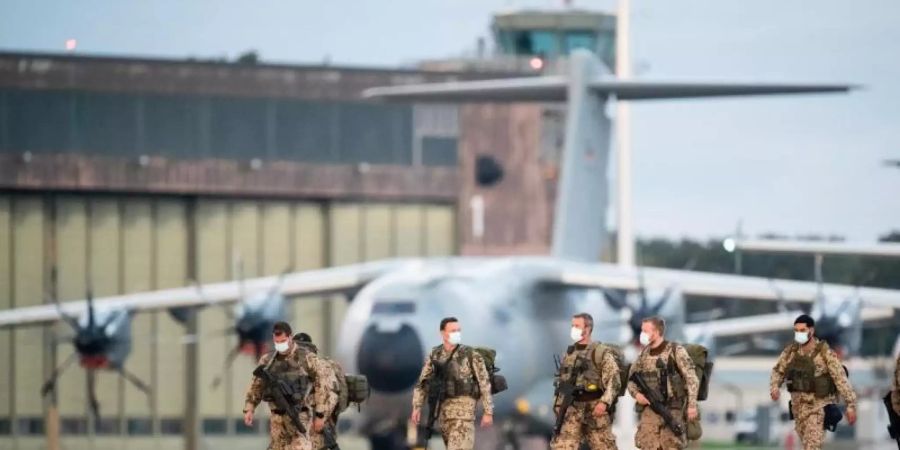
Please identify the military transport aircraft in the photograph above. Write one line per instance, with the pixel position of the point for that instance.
(521, 306)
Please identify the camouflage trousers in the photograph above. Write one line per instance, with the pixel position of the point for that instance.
(809, 422)
(580, 425)
(653, 434)
(318, 439)
(283, 435)
(458, 423)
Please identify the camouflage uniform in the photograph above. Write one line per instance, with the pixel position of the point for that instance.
(807, 408)
(652, 432)
(895, 388)
(318, 439)
(321, 398)
(457, 413)
(580, 424)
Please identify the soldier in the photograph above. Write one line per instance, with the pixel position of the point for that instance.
(466, 380)
(813, 374)
(895, 389)
(304, 340)
(303, 370)
(595, 373)
(663, 362)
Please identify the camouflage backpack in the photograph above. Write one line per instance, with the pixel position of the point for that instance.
(350, 388)
(489, 355)
(702, 367)
(619, 356)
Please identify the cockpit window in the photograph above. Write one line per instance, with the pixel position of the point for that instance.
(393, 308)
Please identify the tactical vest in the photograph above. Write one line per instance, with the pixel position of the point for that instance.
(676, 392)
(293, 371)
(458, 383)
(587, 374)
(801, 375)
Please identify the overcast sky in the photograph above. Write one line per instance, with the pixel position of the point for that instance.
(793, 165)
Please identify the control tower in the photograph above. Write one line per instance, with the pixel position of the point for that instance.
(551, 35)
(529, 41)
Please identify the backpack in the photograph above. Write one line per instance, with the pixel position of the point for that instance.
(619, 356)
(350, 388)
(702, 367)
(489, 355)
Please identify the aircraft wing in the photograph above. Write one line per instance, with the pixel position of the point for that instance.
(766, 323)
(555, 88)
(312, 282)
(708, 284)
(740, 326)
(881, 249)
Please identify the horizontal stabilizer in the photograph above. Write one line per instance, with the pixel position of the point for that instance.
(554, 89)
(533, 89)
(648, 90)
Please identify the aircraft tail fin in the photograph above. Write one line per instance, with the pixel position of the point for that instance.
(579, 230)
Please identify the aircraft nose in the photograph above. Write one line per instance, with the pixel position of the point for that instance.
(390, 360)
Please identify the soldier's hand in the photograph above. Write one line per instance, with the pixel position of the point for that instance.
(415, 416)
(248, 418)
(487, 420)
(319, 425)
(600, 409)
(641, 399)
(851, 416)
(692, 413)
(776, 394)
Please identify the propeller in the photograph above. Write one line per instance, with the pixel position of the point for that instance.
(90, 340)
(92, 395)
(50, 385)
(229, 360)
(259, 347)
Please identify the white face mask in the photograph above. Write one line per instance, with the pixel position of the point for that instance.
(575, 334)
(801, 337)
(645, 339)
(282, 347)
(455, 337)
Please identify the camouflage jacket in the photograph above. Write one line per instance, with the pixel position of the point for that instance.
(466, 360)
(895, 387)
(322, 397)
(826, 362)
(601, 368)
(683, 363)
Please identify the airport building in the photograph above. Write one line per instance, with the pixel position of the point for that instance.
(127, 175)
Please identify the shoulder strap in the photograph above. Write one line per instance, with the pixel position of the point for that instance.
(268, 358)
(454, 351)
(673, 363)
(593, 350)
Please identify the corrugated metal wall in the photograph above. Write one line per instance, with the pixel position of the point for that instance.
(186, 126)
(122, 244)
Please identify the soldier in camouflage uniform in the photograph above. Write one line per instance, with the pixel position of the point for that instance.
(814, 374)
(304, 369)
(467, 380)
(895, 388)
(304, 341)
(682, 387)
(597, 387)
